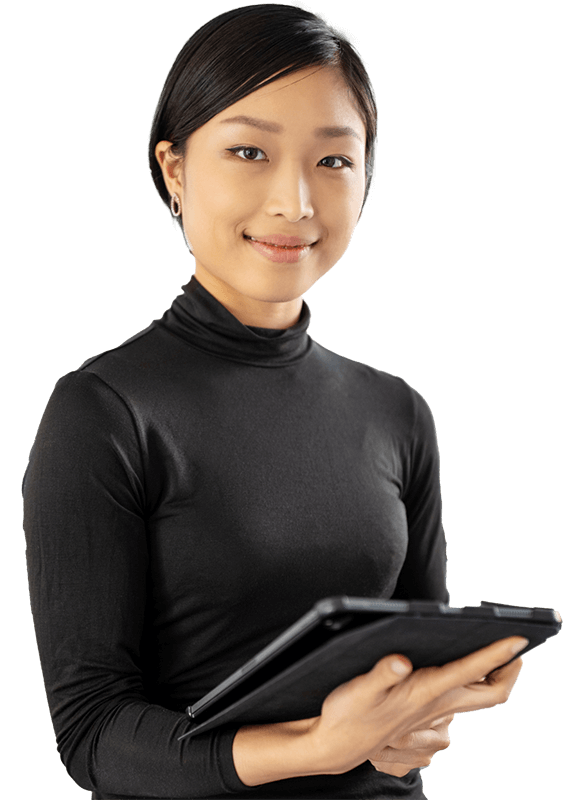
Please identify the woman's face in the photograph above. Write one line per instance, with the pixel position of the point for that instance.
(284, 165)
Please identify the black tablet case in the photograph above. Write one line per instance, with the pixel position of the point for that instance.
(299, 691)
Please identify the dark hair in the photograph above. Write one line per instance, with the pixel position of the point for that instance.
(238, 52)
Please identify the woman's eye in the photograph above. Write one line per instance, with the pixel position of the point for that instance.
(248, 153)
(341, 162)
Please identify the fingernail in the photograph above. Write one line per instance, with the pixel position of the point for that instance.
(400, 666)
(519, 645)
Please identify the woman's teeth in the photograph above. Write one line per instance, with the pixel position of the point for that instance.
(278, 246)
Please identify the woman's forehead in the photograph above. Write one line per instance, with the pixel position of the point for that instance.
(312, 97)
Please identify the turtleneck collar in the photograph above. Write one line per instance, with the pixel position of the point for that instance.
(199, 318)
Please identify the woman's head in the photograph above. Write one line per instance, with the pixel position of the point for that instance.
(241, 50)
(265, 129)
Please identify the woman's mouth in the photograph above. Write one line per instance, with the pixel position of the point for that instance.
(288, 249)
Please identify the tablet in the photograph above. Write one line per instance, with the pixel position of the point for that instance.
(341, 637)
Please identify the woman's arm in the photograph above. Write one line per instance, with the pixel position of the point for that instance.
(265, 753)
(423, 574)
(84, 519)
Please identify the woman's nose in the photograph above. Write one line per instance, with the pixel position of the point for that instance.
(290, 195)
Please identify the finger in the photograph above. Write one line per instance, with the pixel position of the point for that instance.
(442, 721)
(388, 672)
(396, 664)
(437, 731)
(422, 740)
(492, 690)
(471, 668)
(398, 770)
(497, 673)
(373, 686)
(507, 676)
(502, 679)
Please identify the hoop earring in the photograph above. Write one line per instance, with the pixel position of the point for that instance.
(175, 199)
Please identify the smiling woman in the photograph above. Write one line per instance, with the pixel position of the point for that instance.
(284, 110)
(194, 490)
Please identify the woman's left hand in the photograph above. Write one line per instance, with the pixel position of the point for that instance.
(414, 750)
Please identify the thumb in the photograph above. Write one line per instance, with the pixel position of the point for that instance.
(391, 670)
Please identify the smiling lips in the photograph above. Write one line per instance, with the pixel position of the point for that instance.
(277, 247)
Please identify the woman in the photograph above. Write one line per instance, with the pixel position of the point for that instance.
(195, 490)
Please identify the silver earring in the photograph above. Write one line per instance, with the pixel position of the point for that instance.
(175, 199)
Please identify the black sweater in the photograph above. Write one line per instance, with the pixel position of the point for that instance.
(189, 495)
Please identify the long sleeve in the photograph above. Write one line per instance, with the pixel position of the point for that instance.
(84, 519)
(423, 574)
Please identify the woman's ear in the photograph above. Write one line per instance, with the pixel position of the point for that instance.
(171, 167)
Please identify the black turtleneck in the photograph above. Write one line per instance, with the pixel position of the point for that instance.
(189, 495)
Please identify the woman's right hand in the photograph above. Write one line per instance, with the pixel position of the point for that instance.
(359, 718)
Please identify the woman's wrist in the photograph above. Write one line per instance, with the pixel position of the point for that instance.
(266, 753)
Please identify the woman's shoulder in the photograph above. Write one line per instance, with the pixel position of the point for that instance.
(377, 383)
(353, 368)
(107, 381)
(136, 366)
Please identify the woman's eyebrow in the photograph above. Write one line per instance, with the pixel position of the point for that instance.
(327, 132)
